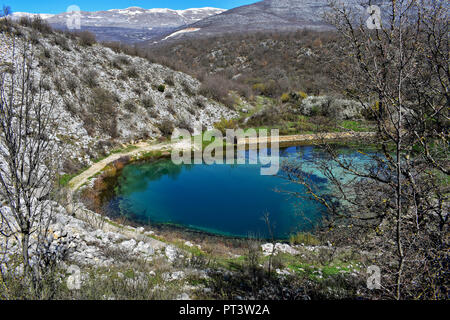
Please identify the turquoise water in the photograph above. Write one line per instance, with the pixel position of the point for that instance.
(227, 200)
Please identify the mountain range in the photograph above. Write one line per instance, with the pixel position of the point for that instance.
(150, 26)
(286, 15)
(132, 24)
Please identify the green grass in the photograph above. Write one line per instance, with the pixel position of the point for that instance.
(65, 179)
(116, 151)
(124, 150)
(150, 154)
(356, 126)
(317, 272)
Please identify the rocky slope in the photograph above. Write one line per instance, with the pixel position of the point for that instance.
(106, 98)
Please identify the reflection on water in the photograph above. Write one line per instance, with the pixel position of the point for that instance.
(223, 199)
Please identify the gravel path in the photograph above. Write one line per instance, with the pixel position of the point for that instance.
(142, 147)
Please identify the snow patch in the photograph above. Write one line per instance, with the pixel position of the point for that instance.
(187, 30)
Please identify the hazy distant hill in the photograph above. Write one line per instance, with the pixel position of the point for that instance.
(132, 24)
(266, 15)
(261, 16)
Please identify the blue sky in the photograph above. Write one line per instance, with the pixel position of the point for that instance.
(58, 6)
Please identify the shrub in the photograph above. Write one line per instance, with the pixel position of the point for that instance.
(71, 84)
(259, 87)
(166, 127)
(187, 88)
(302, 94)
(114, 46)
(147, 102)
(129, 105)
(171, 109)
(161, 88)
(25, 22)
(201, 103)
(122, 59)
(371, 112)
(153, 113)
(62, 42)
(217, 88)
(123, 76)
(315, 111)
(304, 238)
(87, 38)
(184, 123)
(90, 78)
(285, 97)
(225, 124)
(102, 111)
(40, 25)
(138, 91)
(170, 80)
(34, 37)
(133, 72)
(46, 53)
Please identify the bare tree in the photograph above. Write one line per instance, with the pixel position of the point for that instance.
(399, 204)
(28, 162)
(6, 11)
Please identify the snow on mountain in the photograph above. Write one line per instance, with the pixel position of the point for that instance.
(130, 25)
(139, 18)
(18, 15)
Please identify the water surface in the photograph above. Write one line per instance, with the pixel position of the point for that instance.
(227, 200)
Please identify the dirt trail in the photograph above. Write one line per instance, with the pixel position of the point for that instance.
(142, 147)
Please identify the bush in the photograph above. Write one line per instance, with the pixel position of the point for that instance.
(40, 25)
(129, 105)
(217, 88)
(166, 127)
(184, 123)
(225, 124)
(34, 37)
(62, 42)
(169, 80)
(147, 102)
(302, 94)
(72, 84)
(153, 113)
(372, 112)
(114, 46)
(90, 78)
(25, 22)
(161, 88)
(103, 112)
(87, 38)
(133, 72)
(304, 238)
(285, 97)
(201, 103)
(187, 88)
(122, 59)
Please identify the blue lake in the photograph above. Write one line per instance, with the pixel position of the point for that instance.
(228, 200)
